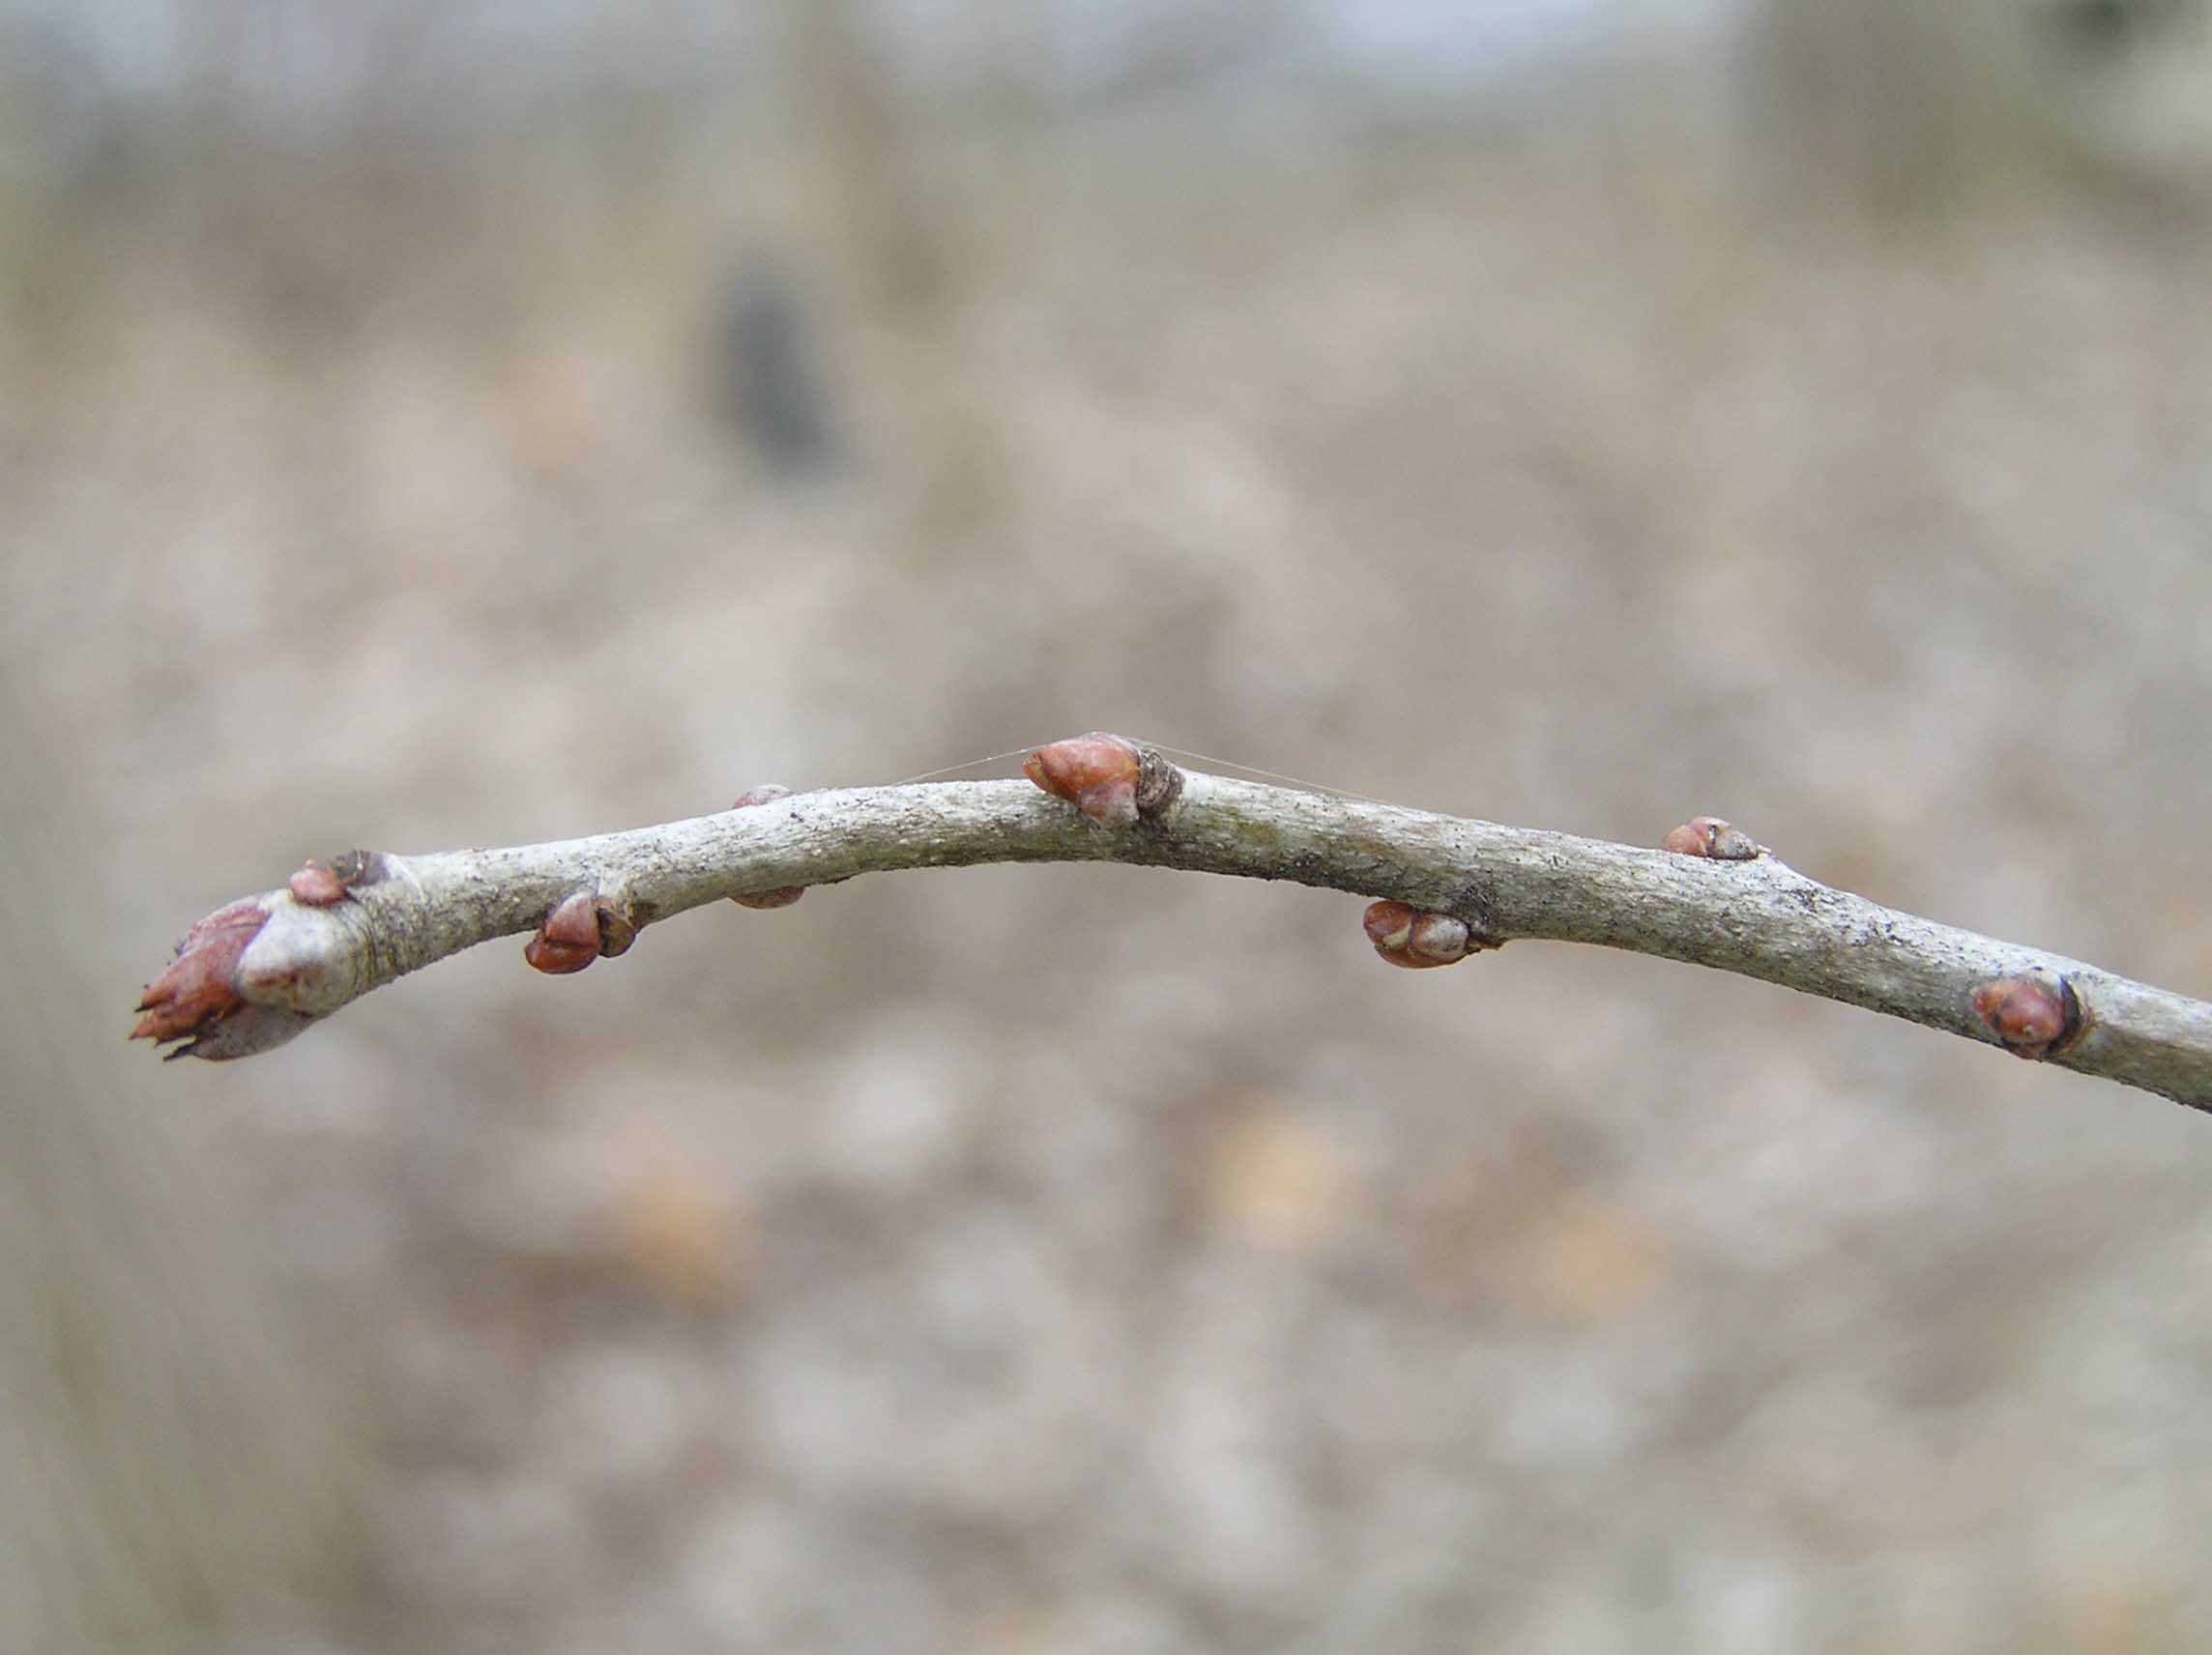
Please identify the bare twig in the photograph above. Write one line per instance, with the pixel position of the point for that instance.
(255, 972)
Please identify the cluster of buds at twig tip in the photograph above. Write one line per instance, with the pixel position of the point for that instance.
(783, 896)
(2032, 1016)
(582, 927)
(1110, 778)
(1710, 836)
(1417, 939)
(200, 999)
(201, 984)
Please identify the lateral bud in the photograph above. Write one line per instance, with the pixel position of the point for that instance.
(582, 927)
(782, 896)
(1417, 939)
(1111, 779)
(326, 884)
(1712, 837)
(317, 885)
(2032, 1015)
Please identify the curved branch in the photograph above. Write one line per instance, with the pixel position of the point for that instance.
(255, 974)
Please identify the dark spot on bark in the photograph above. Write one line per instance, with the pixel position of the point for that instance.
(357, 869)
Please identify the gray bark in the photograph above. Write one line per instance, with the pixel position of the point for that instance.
(1759, 917)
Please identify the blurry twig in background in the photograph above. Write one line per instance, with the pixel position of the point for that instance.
(1893, 110)
(897, 260)
(769, 385)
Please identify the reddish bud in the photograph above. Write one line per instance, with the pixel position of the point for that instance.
(317, 885)
(201, 987)
(2031, 1016)
(568, 938)
(783, 895)
(204, 993)
(585, 927)
(1710, 836)
(320, 886)
(1110, 778)
(1410, 937)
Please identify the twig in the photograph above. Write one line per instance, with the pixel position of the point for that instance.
(255, 974)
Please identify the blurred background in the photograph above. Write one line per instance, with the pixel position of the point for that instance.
(426, 425)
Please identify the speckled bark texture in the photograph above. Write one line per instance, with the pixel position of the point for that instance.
(1757, 918)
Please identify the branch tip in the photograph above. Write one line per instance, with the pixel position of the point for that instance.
(198, 1000)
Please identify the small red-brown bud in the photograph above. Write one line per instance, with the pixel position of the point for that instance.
(204, 993)
(1110, 778)
(1408, 935)
(568, 938)
(2031, 1016)
(1710, 836)
(783, 895)
(316, 886)
(200, 986)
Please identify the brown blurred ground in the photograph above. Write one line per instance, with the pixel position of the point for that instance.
(1071, 1260)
